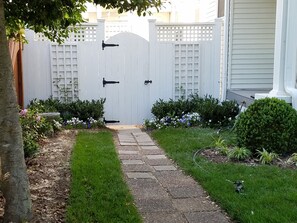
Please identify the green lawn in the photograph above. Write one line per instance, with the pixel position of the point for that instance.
(98, 192)
(270, 192)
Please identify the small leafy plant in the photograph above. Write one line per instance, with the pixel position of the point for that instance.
(239, 153)
(266, 157)
(293, 159)
(221, 146)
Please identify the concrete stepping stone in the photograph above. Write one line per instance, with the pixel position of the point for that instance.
(140, 175)
(135, 183)
(129, 162)
(155, 205)
(174, 179)
(124, 137)
(206, 217)
(146, 143)
(130, 157)
(164, 218)
(137, 168)
(128, 148)
(158, 162)
(165, 168)
(156, 157)
(155, 192)
(128, 143)
(186, 192)
(152, 152)
(127, 152)
(150, 147)
(193, 204)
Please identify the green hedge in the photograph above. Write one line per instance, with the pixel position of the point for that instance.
(78, 109)
(212, 112)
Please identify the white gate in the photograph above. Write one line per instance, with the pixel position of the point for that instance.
(176, 61)
(124, 71)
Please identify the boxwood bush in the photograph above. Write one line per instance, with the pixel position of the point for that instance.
(171, 108)
(269, 124)
(211, 111)
(78, 109)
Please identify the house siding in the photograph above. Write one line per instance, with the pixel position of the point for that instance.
(251, 45)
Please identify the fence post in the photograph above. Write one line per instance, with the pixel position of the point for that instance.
(100, 30)
(217, 54)
(152, 60)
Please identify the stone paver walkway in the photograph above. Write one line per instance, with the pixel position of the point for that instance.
(161, 191)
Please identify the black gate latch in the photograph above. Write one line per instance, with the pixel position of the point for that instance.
(108, 45)
(104, 82)
(146, 82)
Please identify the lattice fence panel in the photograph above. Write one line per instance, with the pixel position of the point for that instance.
(85, 33)
(64, 72)
(186, 70)
(182, 33)
(115, 27)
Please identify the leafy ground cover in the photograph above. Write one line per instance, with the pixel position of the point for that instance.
(98, 192)
(269, 194)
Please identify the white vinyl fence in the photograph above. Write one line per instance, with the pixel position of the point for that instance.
(167, 61)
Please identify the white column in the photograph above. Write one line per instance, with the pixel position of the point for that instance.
(278, 90)
(100, 32)
(152, 62)
(291, 53)
(217, 54)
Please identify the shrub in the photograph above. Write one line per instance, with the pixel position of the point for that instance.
(34, 127)
(268, 123)
(171, 108)
(82, 110)
(211, 112)
(48, 105)
(214, 113)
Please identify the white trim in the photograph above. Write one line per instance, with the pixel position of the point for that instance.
(230, 41)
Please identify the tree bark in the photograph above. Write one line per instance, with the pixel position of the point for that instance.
(14, 180)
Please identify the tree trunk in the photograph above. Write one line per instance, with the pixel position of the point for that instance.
(14, 179)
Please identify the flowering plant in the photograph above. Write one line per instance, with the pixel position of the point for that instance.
(34, 127)
(187, 120)
(77, 123)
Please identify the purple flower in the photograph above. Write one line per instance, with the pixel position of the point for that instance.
(38, 118)
(23, 112)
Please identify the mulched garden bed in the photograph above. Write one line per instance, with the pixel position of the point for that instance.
(213, 155)
(49, 176)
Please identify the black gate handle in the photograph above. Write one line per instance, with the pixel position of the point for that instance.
(108, 45)
(146, 82)
(104, 82)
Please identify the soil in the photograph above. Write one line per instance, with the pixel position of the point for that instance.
(213, 155)
(49, 176)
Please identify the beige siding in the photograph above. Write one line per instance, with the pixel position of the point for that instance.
(252, 44)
